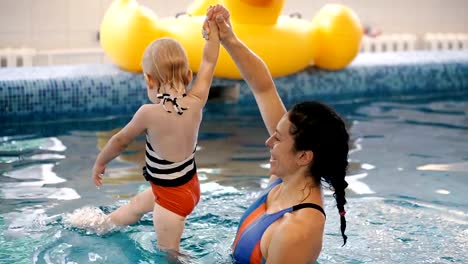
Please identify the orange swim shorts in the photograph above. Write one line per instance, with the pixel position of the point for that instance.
(181, 199)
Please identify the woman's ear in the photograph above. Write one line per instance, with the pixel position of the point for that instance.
(305, 157)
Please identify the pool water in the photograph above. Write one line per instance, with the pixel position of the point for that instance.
(407, 199)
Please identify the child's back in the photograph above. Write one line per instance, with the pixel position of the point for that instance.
(173, 136)
(173, 119)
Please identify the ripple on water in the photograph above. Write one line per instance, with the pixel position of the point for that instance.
(396, 231)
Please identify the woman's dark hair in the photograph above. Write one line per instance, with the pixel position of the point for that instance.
(317, 127)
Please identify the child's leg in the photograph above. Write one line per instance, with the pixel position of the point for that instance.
(132, 212)
(173, 205)
(169, 227)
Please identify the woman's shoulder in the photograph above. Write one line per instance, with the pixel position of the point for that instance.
(303, 224)
(306, 220)
(301, 232)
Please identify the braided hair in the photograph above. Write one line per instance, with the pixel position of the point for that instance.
(317, 127)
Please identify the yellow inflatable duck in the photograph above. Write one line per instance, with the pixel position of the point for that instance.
(286, 44)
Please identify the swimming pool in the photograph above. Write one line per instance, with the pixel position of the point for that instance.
(407, 200)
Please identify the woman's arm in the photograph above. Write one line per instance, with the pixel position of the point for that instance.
(252, 69)
(119, 143)
(202, 84)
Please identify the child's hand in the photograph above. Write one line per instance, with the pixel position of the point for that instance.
(210, 29)
(98, 172)
(213, 34)
(221, 16)
(206, 29)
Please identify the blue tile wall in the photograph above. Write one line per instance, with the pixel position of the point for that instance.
(80, 91)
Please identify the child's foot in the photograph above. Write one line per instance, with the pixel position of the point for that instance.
(91, 219)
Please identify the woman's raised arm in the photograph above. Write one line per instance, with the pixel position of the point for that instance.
(252, 68)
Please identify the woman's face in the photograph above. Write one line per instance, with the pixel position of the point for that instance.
(283, 156)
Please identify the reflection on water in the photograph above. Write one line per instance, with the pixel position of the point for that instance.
(398, 230)
(27, 168)
(406, 197)
(461, 166)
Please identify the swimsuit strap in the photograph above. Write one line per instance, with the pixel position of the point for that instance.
(173, 99)
(309, 205)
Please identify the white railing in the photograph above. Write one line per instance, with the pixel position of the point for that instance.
(445, 41)
(52, 55)
(409, 42)
(389, 43)
(16, 57)
(26, 57)
(21, 57)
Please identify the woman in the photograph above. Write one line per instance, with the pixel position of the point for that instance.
(308, 145)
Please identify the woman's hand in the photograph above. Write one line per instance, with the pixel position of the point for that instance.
(220, 15)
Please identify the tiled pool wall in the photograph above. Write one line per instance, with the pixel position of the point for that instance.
(49, 93)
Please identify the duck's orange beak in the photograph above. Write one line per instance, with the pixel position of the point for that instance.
(264, 12)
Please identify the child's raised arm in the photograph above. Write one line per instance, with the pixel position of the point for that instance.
(201, 86)
(119, 143)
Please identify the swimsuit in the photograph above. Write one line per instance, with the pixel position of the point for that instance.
(167, 173)
(175, 185)
(254, 222)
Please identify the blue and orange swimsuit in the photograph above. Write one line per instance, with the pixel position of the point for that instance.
(254, 222)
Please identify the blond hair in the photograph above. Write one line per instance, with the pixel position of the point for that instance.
(165, 60)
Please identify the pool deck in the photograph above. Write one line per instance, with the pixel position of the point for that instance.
(77, 91)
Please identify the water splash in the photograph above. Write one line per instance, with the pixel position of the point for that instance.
(91, 219)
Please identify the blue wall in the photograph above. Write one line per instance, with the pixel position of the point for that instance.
(78, 91)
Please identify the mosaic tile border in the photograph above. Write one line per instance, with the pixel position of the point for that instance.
(78, 91)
